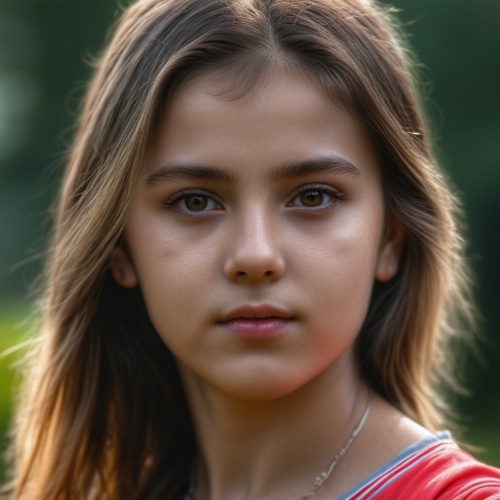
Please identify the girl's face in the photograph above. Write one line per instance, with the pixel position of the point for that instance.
(256, 235)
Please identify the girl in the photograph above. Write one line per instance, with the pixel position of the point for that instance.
(254, 271)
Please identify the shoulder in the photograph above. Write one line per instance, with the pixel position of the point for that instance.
(434, 468)
(443, 471)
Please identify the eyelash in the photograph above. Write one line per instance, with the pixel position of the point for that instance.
(335, 194)
(183, 195)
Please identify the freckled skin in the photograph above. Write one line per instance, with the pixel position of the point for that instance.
(254, 241)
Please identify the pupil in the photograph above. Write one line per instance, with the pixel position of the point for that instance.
(312, 198)
(196, 203)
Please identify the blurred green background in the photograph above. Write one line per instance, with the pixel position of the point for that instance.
(45, 46)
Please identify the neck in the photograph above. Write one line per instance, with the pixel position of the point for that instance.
(273, 448)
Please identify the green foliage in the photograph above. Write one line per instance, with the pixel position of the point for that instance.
(12, 332)
(485, 441)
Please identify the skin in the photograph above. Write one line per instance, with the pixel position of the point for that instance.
(311, 244)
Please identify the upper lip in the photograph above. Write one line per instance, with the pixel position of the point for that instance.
(259, 311)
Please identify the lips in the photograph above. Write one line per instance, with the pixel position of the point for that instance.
(256, 321)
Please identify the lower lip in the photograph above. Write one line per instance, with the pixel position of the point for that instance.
(257, 328)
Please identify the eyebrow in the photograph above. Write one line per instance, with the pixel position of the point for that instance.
(176, 171)
(172, 172)
(331, 163)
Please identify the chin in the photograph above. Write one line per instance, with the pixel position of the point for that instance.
(263, 385)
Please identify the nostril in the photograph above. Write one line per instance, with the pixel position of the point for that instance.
(252, 269)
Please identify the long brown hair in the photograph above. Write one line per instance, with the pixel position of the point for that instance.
(103, 413)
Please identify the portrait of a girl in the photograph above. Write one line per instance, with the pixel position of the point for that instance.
(256, 273)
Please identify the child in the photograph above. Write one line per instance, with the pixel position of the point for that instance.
(254, 270)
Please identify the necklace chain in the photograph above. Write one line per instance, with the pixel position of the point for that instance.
(321, 478)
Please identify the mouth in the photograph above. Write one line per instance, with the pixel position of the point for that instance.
(256, 312)
(257, 321)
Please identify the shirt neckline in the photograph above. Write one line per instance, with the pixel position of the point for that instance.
(403, 455)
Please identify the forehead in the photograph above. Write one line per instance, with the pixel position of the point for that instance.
(283, 118)
(242, 85)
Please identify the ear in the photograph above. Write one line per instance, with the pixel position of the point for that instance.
(123, 269)
(390, 251)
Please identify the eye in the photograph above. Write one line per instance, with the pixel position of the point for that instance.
(316, 197)
(193, 201)
(197, 203)
(312, 198)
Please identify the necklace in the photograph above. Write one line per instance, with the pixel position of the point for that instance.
(321, 478)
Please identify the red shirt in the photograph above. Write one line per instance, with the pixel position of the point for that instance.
(431, 469)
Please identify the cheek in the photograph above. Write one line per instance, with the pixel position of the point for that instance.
(340, 269)
(175, 273)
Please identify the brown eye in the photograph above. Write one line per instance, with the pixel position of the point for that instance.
(316, 198)
(312, 198)
(196, 203)
(193, 202)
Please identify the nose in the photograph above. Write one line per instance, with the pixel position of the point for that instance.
(254, 254)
